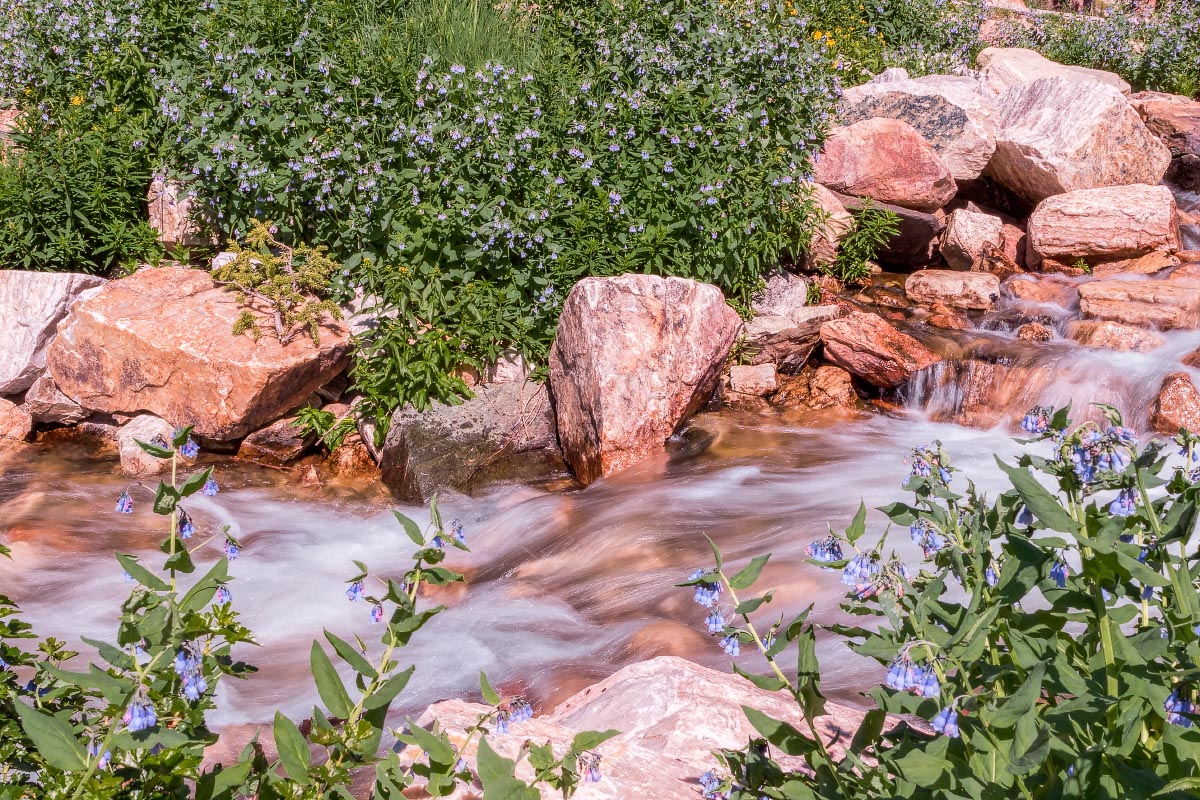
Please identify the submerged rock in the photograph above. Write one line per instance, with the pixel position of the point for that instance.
(867, 346)
(1060, 135)
(31, 306)
(634, 356)
(504, 431)
(1177, 405)
(1105, 224)
(886, 160)
(162, 341)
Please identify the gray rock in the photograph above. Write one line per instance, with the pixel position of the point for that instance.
(505, 431)
(46, 403)
(31, 306)
(787, 340)
(136, 462)
(783, 294)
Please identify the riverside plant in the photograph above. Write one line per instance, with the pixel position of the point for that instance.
(1047, 647)
(135, 726)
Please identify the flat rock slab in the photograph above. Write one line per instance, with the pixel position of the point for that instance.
(162, 341)
(31, 306)
(974, 290)
(634, 356)
(1147, 304)
(505, 431)
(1106, 335)
(1001, 68)
(1104, 224)
(867, 346)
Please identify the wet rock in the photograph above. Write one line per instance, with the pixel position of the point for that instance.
(954, 115)
(279, 443)
(1034, 332)
(31, 306)
(787, 341)
(1173, 118)
(506, 430)
(162, 341)
(1188, 273)
(991, 392)
(1002, 68)
(171, 212)
(1059, 135)
(1192, 359)
(1113, 336)
(967, 234)
(634, 356)
(1148, 264)
(817, 389)
(867, 346)
(836, 225)
(757, 380)
(46, 404)
(887, 160)
(996, 261)
(1105, 224)
(949, 321)
(665, 637)
(352, 460)
(915, 243)
(1177, 405)
(1147, 304)
(136, 462)
(975, 290)
(783, 294)
(15, 421)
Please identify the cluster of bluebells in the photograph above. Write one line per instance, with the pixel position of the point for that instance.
(926, 535)
(1179, 707)
(1096, 452)
(945, 722)
(188, 666)
(928, 461)
(827, 550)
(456, 533)
(512, 711)
(1059, 573)
(905, 675)
(588, 764)
(140, 714)
(1036, 421)
(707, 593)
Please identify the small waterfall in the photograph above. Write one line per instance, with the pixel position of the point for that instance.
(1189, 204)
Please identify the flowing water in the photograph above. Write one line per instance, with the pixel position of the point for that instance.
(563, 587)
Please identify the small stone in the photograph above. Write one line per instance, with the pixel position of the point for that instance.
(1034, 332)
(758, 380)
(351, 460)
(136, 462)
(783, 294)
(1177, 405)
(1148, 264)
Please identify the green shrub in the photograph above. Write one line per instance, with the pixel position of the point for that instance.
(873, 228)
(1052, 638)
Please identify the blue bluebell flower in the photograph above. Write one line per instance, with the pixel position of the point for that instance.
(189, 449)
(186, 526)
(3, 665)
(904, 675)
(126, 577)
(456, 530)
(710, 786)
(1179, 709)
(1037, 420)
(1147, 592)
(1124, 504)
(210, 487)
(707, 592)
(927, 536)
(861, 569)
(730, 645)
(224, 596)
(354, 592)
(104, 759)
(991, 575)
(946, 722)
(437, 541)
(188, 664)
(826, 550)
(589, 766)
(125, 503)
(1122, 435)
(1025, 517)
(140, 715)
(232, 550)
(376, 614)
(1060, 572)
(715, 621)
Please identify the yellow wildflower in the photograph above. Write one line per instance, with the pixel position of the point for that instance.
(77, 100)
(816, 35)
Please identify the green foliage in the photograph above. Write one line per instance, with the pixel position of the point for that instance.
(291, 289)
(873, 228)
(1052, 638)
(329, 429)
(135, 728)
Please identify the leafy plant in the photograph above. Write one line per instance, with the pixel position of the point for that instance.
(873, 228)
(292, 288)
(329, 429)
(1051, 640)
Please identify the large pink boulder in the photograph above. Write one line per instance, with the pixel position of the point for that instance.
(1105, 224)
(1057, 135)
(633, 357)
(887, 160)
(1147, 304)
(162, 341)
(867, 346)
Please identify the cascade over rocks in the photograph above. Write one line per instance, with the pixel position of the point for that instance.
(886, 160)
(1002, 68)
(506, 430)
(867, 346)
(1057, 135)
(953, 114)
(162, 341)
(1113, 222)
(1177, 405)
(672, 714)
(1113, 336)
(31, 306)
(634, 356)
(975, 290)
(1148, 304)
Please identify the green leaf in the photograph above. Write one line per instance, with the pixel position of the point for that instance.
(746, 577)
(858, 525)
(411, 528)
(490, 695)
(329, 685)
(195, 483)
(1180, 785)
(868, 731)
(751, 605)
(181, 436)
(436, 747)
(1033, 757)
(293, 750)
(716, 551)
(221, 783)
(201, 594)
(769, 683)
(1038, 499)
(165, 499)
(52, 738)
(590, 740)
(779, 733)
(154, 450)
(921, 768)
(115, 690)
(142, 575)
(1022, 700)
(496, 775)
(387, 691)
(351, 656)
